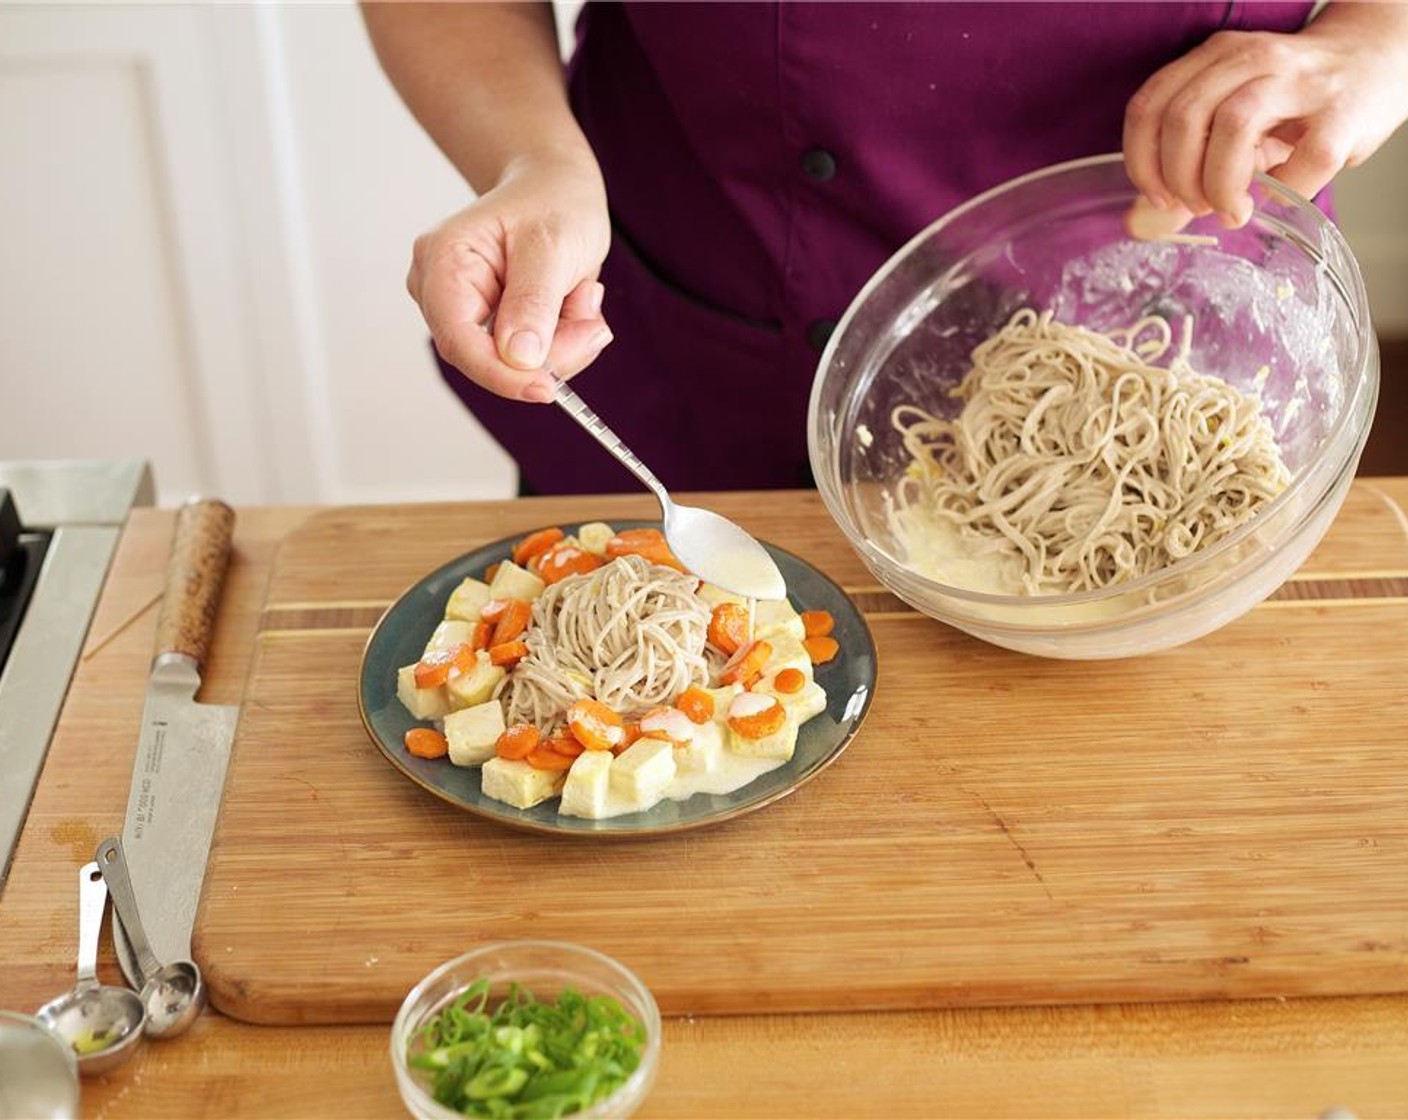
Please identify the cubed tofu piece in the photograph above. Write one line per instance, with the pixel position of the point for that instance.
(473, 732)
(518, 784)
(774, 618)
(594, 535)
(780, 744)
(588, 783)
(810, 702)
(801, 706)
(787, 652)
(513, 582)
(422, 703)
(701, 755)
(450, 633)
(642, 771)
(475, 686)
(716, 595)
(467, 600)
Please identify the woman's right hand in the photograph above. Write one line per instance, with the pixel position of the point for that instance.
(508, 286)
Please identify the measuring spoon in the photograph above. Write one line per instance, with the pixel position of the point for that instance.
(173, 994)
(102, 1022)
(708, 544)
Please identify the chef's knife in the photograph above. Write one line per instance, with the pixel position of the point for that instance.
(179, 771)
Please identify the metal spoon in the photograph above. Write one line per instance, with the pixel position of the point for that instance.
(102, 1022)
(174, 993)
(710, 546)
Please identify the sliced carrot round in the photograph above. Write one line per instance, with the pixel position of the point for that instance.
(426, 742)
(543, 757)
(789, 680)
(664, 557)
(508, 654)
(747, 663)
(563, 560)
(697, 704)
(632, 730)
(629, 541)
(821, 648)
(491, 571)
(817, 623)
(517, 740)
(754, 720)
(565, 744)
(535, 544)
(728, 627)
(438, 666)
(483, 631)
(594, 725)
(512, 621)
(647, 543)
(493, 610)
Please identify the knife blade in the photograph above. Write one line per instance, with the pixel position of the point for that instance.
(184, 746)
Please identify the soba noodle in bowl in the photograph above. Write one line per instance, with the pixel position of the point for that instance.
(1079, 462)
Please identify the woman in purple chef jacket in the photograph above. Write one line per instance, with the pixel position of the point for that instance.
(722, 178)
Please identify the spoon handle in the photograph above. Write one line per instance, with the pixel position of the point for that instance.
(113, 864)
(577, 408)
(92, 901)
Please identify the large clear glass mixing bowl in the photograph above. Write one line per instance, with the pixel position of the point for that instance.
(1277, 307)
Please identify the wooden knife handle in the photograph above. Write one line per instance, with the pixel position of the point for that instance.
(199, 556)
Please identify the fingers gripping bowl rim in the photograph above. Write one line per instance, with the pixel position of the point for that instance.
(1283, 295)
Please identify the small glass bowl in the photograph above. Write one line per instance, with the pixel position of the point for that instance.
(545, 968)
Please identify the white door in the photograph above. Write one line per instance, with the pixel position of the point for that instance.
(205, 218)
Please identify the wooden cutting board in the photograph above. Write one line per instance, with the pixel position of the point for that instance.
(1229, 819)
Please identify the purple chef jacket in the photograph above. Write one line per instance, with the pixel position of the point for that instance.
(762, 160)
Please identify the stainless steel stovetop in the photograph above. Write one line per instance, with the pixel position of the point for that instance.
(59, 525)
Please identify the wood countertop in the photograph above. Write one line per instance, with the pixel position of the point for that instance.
(1269, 1057)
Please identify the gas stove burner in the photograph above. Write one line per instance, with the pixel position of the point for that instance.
(21, 555)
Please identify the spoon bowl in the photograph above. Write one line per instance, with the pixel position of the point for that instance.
(718, 551)
(102, 1022)
(711, 546)
(173, 994)
(103, 1025)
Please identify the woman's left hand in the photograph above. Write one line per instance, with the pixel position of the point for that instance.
(1299, 106)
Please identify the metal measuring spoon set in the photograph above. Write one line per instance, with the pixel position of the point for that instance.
(104, 1023)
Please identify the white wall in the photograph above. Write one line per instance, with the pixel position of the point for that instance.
(206, 214)
(372, 182)
(90, 318)
(1372, 203)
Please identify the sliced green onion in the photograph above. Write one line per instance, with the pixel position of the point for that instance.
(527, 1059)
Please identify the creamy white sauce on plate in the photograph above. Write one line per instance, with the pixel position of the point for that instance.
(731, 773)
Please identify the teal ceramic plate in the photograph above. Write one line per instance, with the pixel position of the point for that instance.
(400, 637)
